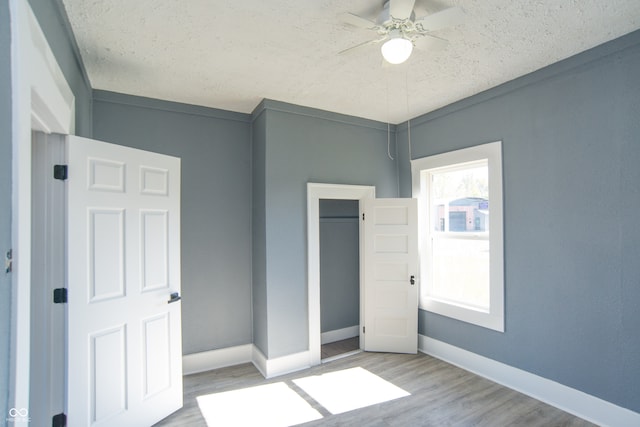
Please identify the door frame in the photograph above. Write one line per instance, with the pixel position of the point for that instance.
(41, 100)
(315, 192)
(48, 368)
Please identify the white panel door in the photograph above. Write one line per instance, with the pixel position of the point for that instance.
(390, 275)
(124, 329)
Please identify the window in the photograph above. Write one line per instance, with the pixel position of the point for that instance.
(460, 223)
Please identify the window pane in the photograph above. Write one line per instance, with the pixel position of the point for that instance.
(461, 199)
(461, 272)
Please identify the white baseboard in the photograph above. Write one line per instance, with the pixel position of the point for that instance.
(269, 368)
(214, 359)
(340, 334)
(259, 361)
(570, 400)
(282, 365)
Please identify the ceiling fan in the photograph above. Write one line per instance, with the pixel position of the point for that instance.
(400, 31)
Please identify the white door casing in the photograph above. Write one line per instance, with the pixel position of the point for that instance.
(124, 338)
(48, 374)
(40, 99)
(391, 274)
(316, 192)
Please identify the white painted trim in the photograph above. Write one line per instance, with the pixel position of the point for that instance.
(52, 101)
(231, 356)
(270, 368)
(421, 170)
(48, 367)
(315, 192)
(259, 360)
(287, 364)
(570, 400)
(215, 359)
(38, 89)
(340, 334)
(21, 206)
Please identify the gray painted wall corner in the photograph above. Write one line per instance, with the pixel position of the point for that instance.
(302, 148)
(258, 234)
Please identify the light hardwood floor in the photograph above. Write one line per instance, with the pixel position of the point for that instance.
(441, 395)
(336, 348)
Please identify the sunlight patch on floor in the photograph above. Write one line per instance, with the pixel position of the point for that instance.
(349, 389)
(272, 405)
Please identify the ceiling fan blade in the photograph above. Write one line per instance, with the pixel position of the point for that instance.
(357, 21)
(401, 9)
(363, 44)
(444, 18)
(430, 43)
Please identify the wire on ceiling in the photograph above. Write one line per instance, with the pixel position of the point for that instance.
(389, 141)
(406, 87)
(388, 124)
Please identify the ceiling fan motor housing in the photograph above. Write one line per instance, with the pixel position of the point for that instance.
(386, 20)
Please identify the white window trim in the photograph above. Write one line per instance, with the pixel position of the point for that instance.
(494, 318)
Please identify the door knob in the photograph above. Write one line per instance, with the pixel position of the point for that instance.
(174, 297)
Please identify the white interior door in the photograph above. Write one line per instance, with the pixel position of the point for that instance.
(390, 275)
(124, 338)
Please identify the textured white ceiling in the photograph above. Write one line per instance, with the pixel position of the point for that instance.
(230, 54)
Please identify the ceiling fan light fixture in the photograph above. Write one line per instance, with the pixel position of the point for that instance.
(397, 49)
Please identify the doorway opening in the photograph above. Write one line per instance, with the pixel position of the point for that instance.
(48, 370)
(339, 278)
(315, 193)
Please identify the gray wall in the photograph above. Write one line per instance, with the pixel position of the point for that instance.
(571, 150)
(214, 146)
(337, 208)
(339, 264)
(5, 200)
(305, 145)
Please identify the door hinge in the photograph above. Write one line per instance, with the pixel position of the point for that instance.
(60, 295)
(363, 328)
(59, 420)
(60, 172)
(363, 216)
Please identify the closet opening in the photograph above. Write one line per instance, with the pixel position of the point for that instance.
(339, 278)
